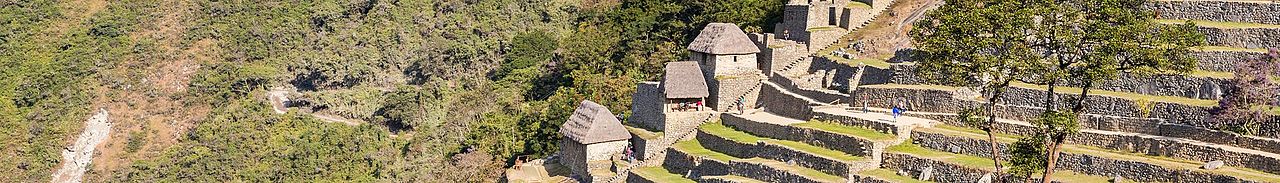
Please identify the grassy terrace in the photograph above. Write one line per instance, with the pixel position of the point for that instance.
(873, 62)
(657, 174)
(889, 175)
(1114, 154)
(958, 159)
(822, 28)
(802, 171)
(868, 134)
(1216, 24)
(644, 134)
(1224, 48)
(692, 147)
(1126, 95)
(855, 4)
(735, 178)
(720, 130)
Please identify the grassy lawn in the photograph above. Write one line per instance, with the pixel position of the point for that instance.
(718, 129)
(846, 130)
(1125, 95)
(959, 159)
(834, 154)
(657, 174)
(1216, 24)
(644, 134)
(802, 171)
(1213, 74)
(889, 175)
(1223, 48)
(692, 147)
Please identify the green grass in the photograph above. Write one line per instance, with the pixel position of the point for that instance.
(644, 134)
(718, 129)
(869, 134)
(959, 159)
(1071, 176)
(1213, 74)
(822, 28)
(1125, 95)
(692, 147)
(1223, 48)
(802, 171)
(834, 154)
(873, 62)
(657, 174)
(889, 175)
(1217, 24)
(1091, 150)
(855, 4)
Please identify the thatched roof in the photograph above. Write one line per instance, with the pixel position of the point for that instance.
(684, 80)
(593, 123)
(723, 39)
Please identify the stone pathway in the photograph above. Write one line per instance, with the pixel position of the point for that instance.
(771, 118)
(76, 159)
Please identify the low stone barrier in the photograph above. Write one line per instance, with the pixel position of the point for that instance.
(1223, 61)
(765, 173)
(726, 146)
(1089, 164)
(1230, 11)
(942, 171)
(679, 162)
(852, 145)
(774, 101)
(634, 178)
(803, 159)
(1242, 37)
(821, 95)
(858, 122)
(647, 148)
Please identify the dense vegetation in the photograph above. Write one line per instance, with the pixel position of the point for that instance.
(450, 90)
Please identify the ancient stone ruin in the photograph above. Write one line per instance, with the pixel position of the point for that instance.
(776, 112)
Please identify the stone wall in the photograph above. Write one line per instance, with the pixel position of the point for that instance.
(795, 23)
(765, 173)
(694, 167)
(573, 155)
(1242, 37)
(838, 76)
(942, 172)
(677, 122)
(1224, 61)
(773, 100)
(647, 148)
(605, 150)
(851, 145)
(858, 122)
(1163, 85)
(779, 54)
(872, 75)
(1229, 11)
(821, 95)
(719, 65)
(785, 154)
(725, 91)
(1090, 164)
(822, 38)
(646, 107)
(726, 146)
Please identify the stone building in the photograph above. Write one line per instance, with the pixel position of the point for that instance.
(684, 87)
(723, 49)
(728, 59)
(591, 137)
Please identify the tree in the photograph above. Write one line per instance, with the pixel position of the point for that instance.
(1084, 42)
(981, 44)
(1254, 88)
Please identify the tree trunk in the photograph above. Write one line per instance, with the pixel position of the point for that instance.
(991, 129)
(1053, 159)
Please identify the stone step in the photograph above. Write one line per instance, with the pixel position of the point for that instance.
(914, 161)
(847, 139)
(690, 159)
(746, 145)
(1235, 34)
(1153, 145)
(1224, 59)
(777, 171)
(1255, 11)
(1092, 160)
(882, 175)
(729, 179)
(655, 175)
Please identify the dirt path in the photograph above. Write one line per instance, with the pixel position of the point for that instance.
(77, 157)
(278, 98)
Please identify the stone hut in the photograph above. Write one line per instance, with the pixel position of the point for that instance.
(684, 87)
(723, 49)
(591, 136)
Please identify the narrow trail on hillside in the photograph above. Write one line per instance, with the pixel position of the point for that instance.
(77, 157)
(278, 98)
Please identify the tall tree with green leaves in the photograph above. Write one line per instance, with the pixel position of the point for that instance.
(981, 44)
(1084, 42)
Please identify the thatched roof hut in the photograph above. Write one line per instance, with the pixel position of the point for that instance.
(723, 39)
(684, 80)
(593, 123)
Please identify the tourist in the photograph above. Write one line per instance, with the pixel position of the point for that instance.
(742, 100)
(864, 105)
